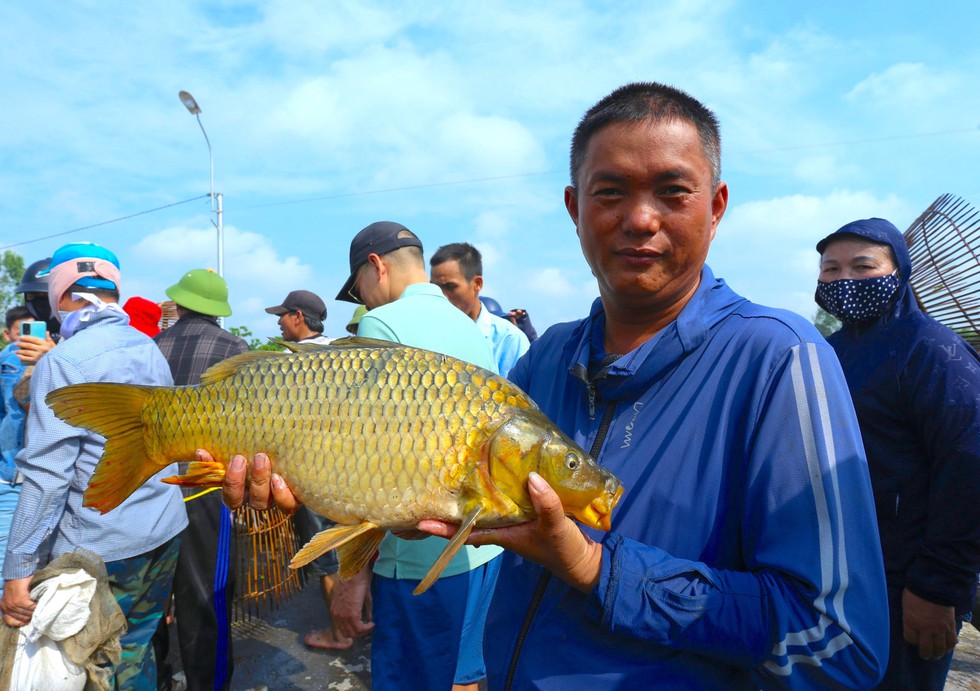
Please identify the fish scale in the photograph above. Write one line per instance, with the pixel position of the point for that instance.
(395, 402)
(373, 435)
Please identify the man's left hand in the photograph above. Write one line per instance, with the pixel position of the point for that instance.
(260, 488)
(17, 605)
(929, 626)
(552, 540)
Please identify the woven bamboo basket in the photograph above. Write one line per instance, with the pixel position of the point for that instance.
(266, 542)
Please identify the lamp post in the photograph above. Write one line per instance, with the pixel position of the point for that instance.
(216, 199)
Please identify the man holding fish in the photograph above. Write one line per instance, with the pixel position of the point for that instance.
(744, 552)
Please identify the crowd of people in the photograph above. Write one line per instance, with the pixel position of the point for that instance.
(798, 513)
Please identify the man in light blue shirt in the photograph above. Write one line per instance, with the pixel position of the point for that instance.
(138, 540)
(439, 636)
(457, 269)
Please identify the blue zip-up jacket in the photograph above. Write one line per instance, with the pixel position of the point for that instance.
(916, 389)
(743, 553)
(12, 424)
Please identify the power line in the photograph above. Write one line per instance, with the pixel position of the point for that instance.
(869, 140)
(103, 223)
(449, 183)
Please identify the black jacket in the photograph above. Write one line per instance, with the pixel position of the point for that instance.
(916, 390)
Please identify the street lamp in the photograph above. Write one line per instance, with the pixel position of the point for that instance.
(216, 199)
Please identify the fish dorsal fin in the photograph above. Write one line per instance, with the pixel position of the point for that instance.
(357, 342)
(449, 551)
(346, 342)
(332, 538)
(294, 347)
(227, 368)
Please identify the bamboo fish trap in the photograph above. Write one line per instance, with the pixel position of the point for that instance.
(266, 542)
(944, 243)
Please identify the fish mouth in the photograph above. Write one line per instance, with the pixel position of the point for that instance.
(598, 514)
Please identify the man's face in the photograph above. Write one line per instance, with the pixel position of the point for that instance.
(646, 211)
(462, 293)
(289, 325)
(13, 333)
(371, 282)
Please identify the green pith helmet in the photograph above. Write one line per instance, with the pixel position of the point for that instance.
(356, 318)
(201, 290)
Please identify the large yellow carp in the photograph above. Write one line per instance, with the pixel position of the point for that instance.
(371, 434)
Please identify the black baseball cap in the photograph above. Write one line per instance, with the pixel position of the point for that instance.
(379, 238)
(308, 303)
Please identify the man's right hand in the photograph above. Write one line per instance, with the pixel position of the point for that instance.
(17, 605)
(347, 605)
(260, 489)
(31, 348)
(929, 626)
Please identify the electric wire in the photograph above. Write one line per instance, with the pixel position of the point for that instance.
(103, 223)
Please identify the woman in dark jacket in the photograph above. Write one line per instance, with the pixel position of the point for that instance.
(916, 390)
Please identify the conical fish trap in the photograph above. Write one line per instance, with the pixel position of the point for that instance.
(266, 542)
(944, 243)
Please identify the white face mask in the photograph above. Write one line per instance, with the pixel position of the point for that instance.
(71, 321)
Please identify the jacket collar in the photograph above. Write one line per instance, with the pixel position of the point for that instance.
(636, 370)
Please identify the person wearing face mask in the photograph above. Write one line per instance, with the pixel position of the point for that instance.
(916, 389)
(34, 288)
(138, 540)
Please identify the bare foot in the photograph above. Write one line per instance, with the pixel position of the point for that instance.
(327, 639)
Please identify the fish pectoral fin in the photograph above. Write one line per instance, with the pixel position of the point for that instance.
(356, 554)
(332, 538)
(200, 474)
(449, 551)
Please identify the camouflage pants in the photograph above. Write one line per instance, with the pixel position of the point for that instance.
(141, 586)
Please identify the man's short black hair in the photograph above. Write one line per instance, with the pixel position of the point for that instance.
(469, 258)
(648, 101)
(16, 313)
(312, 323)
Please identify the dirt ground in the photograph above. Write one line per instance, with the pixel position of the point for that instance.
(269, 653)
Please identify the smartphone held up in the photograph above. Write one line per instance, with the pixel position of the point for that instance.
(35, 329)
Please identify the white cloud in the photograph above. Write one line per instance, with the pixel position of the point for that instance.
(766, 249)
(552, 282)
(257, 275)
(905, 85)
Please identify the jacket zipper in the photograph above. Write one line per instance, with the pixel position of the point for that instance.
(545, 578)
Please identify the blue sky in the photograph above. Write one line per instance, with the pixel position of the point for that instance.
(455, 119)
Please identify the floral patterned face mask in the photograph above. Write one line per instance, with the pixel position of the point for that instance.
(858, 299)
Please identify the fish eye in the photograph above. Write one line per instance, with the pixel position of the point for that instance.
(571, 461)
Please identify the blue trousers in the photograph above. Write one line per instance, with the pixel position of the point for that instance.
(906, 670)
(8, 504)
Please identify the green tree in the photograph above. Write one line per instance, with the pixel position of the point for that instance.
(11, 271)
(254, 342)
(825, 322)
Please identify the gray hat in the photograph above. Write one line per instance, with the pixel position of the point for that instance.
(303, 301)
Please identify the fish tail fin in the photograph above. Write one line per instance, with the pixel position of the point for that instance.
(448, 552)
(114, 411)
(355, 545)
